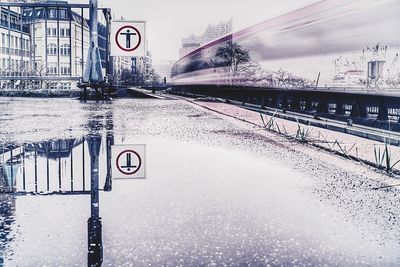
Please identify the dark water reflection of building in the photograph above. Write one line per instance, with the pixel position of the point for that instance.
(95, 165)
(53, 166)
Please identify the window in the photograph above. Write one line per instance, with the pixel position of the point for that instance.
(62, 32)
(65, 50)
(65, 70)
(52, 49)
(53, 13)
(51, 32)
(52, 68)
(63, 13)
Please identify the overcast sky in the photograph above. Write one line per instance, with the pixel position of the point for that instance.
(170, 20)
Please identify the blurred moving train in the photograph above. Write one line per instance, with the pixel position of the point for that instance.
(332, 43)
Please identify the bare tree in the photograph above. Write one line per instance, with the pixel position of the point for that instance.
(40, 71)
(236, 64)
(239, 69)
(287, 80)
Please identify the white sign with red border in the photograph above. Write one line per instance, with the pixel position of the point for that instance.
(128, 161)
(128, 38)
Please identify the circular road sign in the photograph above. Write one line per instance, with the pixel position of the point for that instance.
(128, 38)
(128, 162)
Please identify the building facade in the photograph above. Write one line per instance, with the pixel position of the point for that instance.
(50, 41)
(212, 33)
(163, 68)
(14, 44)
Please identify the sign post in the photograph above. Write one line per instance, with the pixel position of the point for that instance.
(128, 162)
(128, 38)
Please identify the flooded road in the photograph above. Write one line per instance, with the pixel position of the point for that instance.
(216, 194)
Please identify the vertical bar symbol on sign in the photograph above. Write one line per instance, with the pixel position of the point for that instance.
(124, 162)
(128, 161)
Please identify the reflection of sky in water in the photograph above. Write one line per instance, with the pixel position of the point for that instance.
(213, 195)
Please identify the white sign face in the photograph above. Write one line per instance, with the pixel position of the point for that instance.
(128, 38)
(128, 161)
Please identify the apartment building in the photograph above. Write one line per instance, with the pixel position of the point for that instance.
(14, 44)
(49, 41)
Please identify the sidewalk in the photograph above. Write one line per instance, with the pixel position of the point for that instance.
(282, 130)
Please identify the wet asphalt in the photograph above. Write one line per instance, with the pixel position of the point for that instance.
(216, 194)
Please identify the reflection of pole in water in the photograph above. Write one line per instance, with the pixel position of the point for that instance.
(7, 213)
(109, 143)
(95, 246)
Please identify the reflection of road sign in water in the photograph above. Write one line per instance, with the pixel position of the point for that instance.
(128, 161)
(128, 38)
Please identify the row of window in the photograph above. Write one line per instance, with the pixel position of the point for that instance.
(52, 32)
(15, 64)
(64, 69)
(13, 19)
(51, 13)
(13, 52)
(23, 65)
(14, 42)
(65, 50)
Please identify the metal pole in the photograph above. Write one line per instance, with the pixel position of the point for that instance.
(83, 164)
(46, 41)
(29, 48)
(94, 35)
(58, 41)
(59, 165)
(69, 15)
(36, 173)
(9, 40)
(95, 244)
(109, 144)
(82, 43)
(23, 169)
(48, 171)
(21, 51)
(93, 71)
(12, 170)
(33, 41)
(72, 168)
(108, 18)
